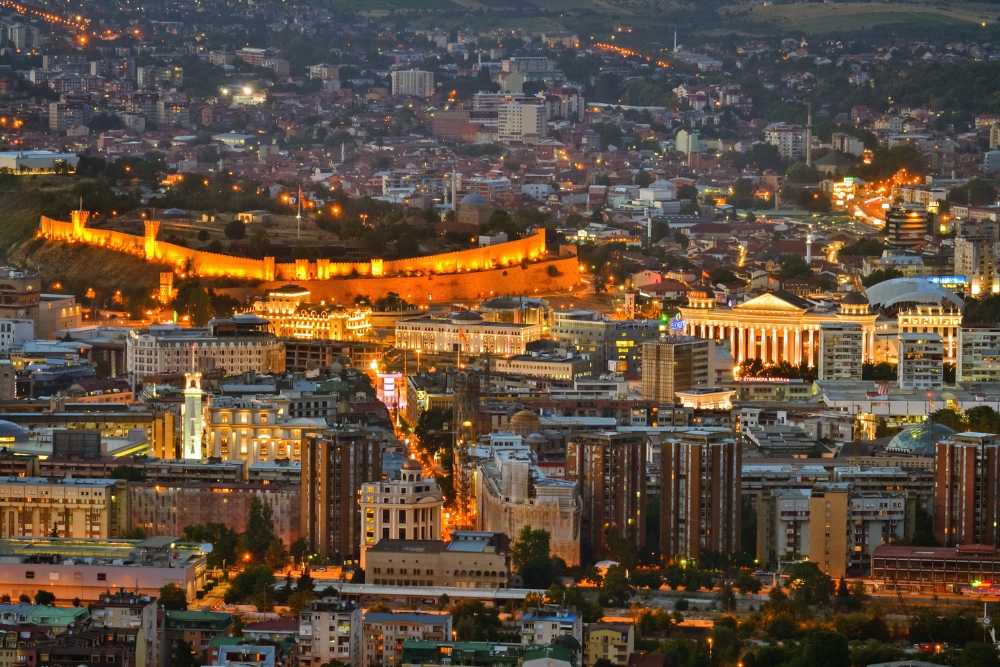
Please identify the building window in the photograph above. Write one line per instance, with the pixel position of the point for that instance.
(30, 574)
(402, 516)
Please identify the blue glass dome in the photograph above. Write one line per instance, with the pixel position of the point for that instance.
(919, 439)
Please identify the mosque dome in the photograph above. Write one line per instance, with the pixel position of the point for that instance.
(524, 423)
(473, 199)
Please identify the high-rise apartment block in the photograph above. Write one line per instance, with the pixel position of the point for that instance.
(976, 246)
(790, 140)
(610, 468)
(412, 83)
(829, 529)
(335, 465)
(978, 358)
(921, 361)
(840, 351)
(933, 319)
(517, 122)
(675, 364)
(700, 504)
(967, 494)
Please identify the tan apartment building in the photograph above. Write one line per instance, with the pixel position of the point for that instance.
(470, 560)
(614, 642)
(829, 527)
(36, 506)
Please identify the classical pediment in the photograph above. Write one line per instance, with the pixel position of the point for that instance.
(775, 301)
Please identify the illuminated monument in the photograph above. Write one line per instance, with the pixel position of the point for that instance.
(192, 413)
(520, 267)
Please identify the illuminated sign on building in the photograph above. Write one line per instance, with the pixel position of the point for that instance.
(949, 281)
(677, 324)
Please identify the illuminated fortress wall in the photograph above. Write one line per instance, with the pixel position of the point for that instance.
(512, 280)
(455, 275)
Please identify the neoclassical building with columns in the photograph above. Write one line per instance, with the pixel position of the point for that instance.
(777, 326)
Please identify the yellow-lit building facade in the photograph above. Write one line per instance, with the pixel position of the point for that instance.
(775, 327)
(292, 315)
(614, 642)
(934, 319)
(255, 430)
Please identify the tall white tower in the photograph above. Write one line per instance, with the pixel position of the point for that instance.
(191, 444)
(809, 247)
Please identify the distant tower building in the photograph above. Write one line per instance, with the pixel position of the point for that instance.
(8, 376)
(906, 226)
(466, 415)
(192, 415)
(466, 399)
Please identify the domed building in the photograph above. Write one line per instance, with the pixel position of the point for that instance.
(919, 439)
(474, 209)
(776, 326)
(11, 433)
(465, 316)
(855, 303)
(524, 423)
(701, 296)
(420, 504)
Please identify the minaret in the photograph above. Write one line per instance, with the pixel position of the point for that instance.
(454, 184)
(809, 135)
(191, 444)
(809, 247)
(675, 40)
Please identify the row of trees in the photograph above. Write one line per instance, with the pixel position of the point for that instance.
(257, 545)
